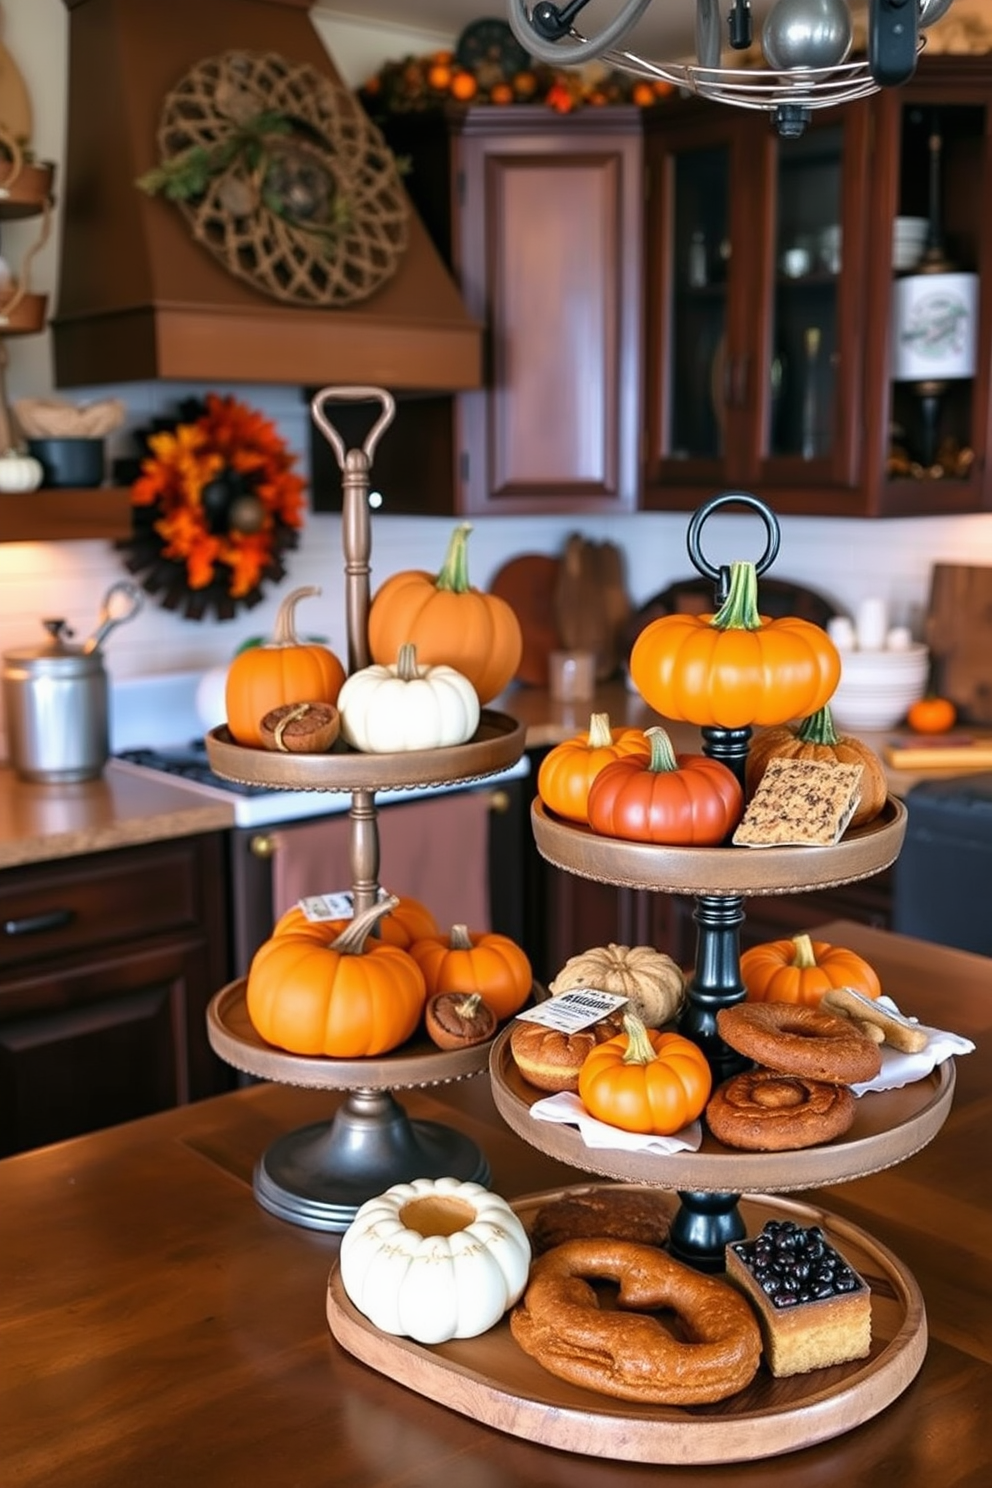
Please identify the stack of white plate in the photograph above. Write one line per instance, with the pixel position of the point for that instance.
(876, 688)
(909, 239)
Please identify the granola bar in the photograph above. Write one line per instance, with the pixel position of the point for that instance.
(803, 803)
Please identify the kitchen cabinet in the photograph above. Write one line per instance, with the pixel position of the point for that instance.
(768, 292)
(102, 513)
(541, 220)
(108, 963)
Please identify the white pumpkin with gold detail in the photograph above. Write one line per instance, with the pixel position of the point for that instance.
(434, 1259)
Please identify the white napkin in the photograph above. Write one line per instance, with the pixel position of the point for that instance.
(900, 1069)
(568, 1109)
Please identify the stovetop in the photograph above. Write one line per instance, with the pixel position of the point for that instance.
(190, 762)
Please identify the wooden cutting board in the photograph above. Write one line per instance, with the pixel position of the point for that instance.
(591, 601)
(528, 585)
(959, 634)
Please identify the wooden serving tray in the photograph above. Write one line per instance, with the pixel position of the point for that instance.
(492, 1380)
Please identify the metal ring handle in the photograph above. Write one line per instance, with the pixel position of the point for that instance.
(353, 395)
(732, 498)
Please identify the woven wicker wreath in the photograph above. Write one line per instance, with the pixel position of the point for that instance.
(283, 177)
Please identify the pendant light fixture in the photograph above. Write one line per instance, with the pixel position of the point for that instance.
(806, 44)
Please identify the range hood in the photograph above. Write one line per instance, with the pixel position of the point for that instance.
(141, 300)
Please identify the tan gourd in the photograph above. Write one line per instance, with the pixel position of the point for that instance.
(649, 979)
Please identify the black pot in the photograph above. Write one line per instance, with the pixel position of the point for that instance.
(70, 462)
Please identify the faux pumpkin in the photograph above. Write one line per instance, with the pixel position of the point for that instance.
(650, 980)
(351, 999)
(687, 800)
(393, 709)
(435, 1259)
(737, 668)
(282, 670)
(816, 738)
(449, 622)
(645, 1081)
(477, 961)
(407, 921)
(932, 715)
(567, 771)
(20, 473)
(800, 970)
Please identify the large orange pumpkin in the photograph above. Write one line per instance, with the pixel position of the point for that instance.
(282, 670)
(478, 961)
(409, 921)
(351, 999)
(449, 622)
(800, 970)
(645, 1081)
(569, 769)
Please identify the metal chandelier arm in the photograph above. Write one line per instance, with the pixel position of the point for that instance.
(523, 26)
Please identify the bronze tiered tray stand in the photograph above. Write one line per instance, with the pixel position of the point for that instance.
(319, 1176)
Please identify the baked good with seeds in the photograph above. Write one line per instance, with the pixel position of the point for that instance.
(800, 802)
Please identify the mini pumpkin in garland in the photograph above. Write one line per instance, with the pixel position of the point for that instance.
(407, 706)
(480, 961)
(567, 771)
(801, 970)
(816, 738)
(686, 800)
(645, 1081)
(282, 670)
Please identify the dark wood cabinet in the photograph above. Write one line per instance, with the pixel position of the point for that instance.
(109, 961)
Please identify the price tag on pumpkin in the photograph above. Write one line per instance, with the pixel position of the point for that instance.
(337, 906)
(575, 1009)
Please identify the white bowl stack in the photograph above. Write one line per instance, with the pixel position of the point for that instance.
(876, 688)
(909, 240)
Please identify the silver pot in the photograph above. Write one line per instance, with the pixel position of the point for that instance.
(56, 699)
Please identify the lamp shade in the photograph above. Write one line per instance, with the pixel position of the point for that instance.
(934, 327)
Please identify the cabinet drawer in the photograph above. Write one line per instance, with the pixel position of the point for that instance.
(56, 909)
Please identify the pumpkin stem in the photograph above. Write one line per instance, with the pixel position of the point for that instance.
(468, 1006)
(351, 941)
(284, 630)
(406, 663)
(600, 733)
(804, 957)
(454, 570)
(640, 1049)
(300, 711)
(739, 610)
(459, 939)
(818, 728)
(662, 754)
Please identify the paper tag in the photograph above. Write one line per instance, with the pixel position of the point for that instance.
(573, 1010)
(339, 906)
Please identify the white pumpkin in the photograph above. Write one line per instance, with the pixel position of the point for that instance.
(392, 709)
(434, 1259)
(19, 473)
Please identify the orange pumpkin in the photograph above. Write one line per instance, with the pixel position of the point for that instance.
(932, 715)
(569, 769)
(478, 961)
(800, 970)
(409, 921)
(282, 670)
(449, 622)
(645, 1081)
(815, 738)
(351, 999)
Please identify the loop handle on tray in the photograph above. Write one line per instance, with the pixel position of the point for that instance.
(721, 576)
(353, 395)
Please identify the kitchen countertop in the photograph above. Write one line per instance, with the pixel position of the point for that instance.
(159, 1327)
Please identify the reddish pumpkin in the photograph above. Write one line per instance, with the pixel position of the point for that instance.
(568, 770)
(736, 668)
(479, 961)
(449, 622)
(282, 670)
(686, 800)
(409, 921)
(800, 970)
(645, 1081)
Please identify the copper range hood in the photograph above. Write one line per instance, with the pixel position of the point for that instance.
(140, 299)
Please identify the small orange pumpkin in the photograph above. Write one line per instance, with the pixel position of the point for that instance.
(478, 961)
(282, 670)
(569, 769)
(816, 738)
(800, 970)
(449, 622)
(409, 921)
(645, 1081)
(932, 715)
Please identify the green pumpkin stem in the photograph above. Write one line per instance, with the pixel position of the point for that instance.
(284, 629)
(454, 570)
(804, 957)
(739, 610)
(351, 941)
(459, 939)
(640, 1049)
(406, 663)
(662, 759)
(819, 728)
(600, 733)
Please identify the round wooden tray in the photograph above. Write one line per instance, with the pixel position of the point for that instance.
(889, 1126)
(492, 1380)
(497, 744)
(720, 870)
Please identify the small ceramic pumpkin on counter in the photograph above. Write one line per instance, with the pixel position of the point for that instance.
(645, 1081)
(801, 970)
(480, 961)
(435, 1259)
(568, 770)
(281, 670)
(816, 738)
(685, 800)
(650, 980)
(405, 706)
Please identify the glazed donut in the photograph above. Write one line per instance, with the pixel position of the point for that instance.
(625, 1353)
(798, 1040)
(764, 1111)
(550, 1059)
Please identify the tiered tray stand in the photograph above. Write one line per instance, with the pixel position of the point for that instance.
(319, 1176)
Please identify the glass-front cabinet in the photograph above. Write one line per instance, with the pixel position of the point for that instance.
(775, 296)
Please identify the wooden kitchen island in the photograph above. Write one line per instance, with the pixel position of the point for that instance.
(158, 1328)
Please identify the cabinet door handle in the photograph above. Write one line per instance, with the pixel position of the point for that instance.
(52, 919)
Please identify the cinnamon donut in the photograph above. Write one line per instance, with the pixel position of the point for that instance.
(626, 1353)
(796, 1040)
(764, 1111)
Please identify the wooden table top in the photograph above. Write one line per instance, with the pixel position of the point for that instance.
(159, 1328)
